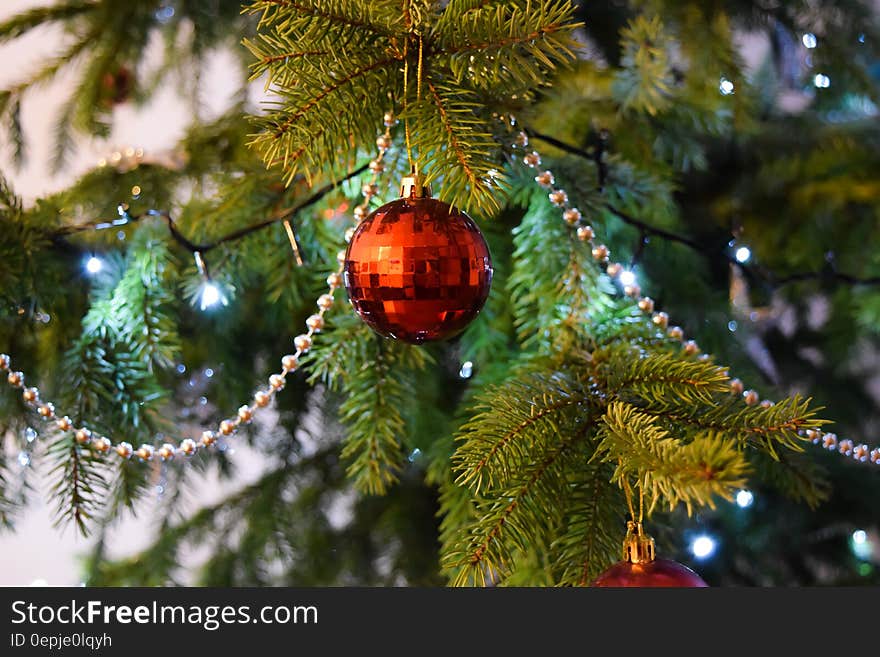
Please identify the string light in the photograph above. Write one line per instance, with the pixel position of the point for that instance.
(467, 370)
(602, 255)
(703, 546)
(210, 295)
(725, 86)
(809, 40)
(861, 546)
(627, 278)
(821, 81)
(164, 13)
(94, 265)
(744, 499)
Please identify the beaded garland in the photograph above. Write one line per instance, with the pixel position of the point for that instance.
(262, 397)
(602, 255)
(572, 216)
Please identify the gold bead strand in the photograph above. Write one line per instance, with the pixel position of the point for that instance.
(601, 254)
(245, 414)
(315, 322)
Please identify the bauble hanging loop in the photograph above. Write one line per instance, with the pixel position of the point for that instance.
(641, 568)
(417, 269)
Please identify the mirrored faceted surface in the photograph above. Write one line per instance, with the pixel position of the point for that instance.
(418, 270)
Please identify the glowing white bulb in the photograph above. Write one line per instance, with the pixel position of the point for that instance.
(467, 370)
(743, 254)
(211, 296)
(821, 81)
(744, 499)
(94, 265)
(809, 40)
(627, 278)
(725, 86)
(861, 546)
(703, 546)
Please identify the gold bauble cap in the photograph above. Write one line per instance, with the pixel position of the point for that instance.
(413, 186)
(638, 547)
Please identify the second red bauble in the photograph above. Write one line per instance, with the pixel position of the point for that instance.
(417, 270)
(656, 573)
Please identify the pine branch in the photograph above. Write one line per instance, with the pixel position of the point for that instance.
(114, 36)
(297, 113)
(453, 145)
(659, 376)
(272, 49)
(128, 484)
(140, 305)
(322, 18)
(768, 429)
(516, 517)
(644, 83)
(25, 21)
(796, 475)
(297, 135)
(79, 485)
(508, 423)
(457, 512)
(312, 124)
(543, 259)
(372, 413)
(589, 537)
(8, 506)
(512, 44)
(10, 202)
(667, 468)
(10, 108)
(519, 456)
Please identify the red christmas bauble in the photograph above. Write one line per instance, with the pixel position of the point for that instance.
(656, 573)
(417, 270)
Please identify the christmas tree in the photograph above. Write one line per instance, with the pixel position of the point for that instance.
(630, 285)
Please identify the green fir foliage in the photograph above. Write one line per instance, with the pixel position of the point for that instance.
(390, 464)
(323, 59)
